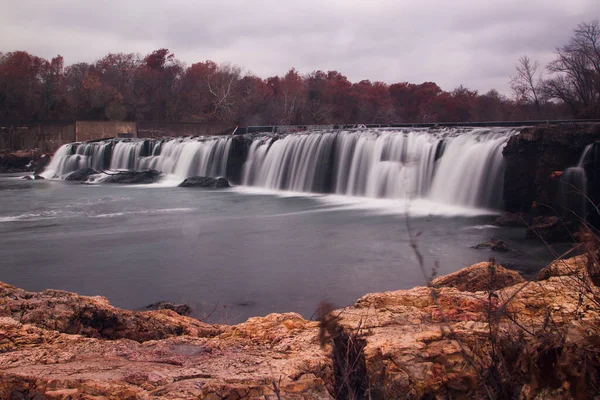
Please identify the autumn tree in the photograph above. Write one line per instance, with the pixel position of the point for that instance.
(414, 103)
(21, 85)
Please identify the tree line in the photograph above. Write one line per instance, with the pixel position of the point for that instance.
(160, 87)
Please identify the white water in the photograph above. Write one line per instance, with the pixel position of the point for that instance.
(461, 168)
(73, 156)
(180, 157)
(385, 164)
(573, 187)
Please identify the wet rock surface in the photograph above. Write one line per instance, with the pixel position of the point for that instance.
(426, 342)
(205, 182)
(81, 175)
(132, 177)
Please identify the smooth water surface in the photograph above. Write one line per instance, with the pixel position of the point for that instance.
(248, 253)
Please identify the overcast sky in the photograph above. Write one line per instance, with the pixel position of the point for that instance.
(451, 42)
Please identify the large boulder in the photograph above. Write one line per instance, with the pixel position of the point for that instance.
(132, 177)
(81, 174)
(205, 182)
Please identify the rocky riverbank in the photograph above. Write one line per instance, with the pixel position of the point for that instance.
(440, 340)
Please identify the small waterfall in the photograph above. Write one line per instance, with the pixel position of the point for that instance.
(73, 156)
(180, 157)
(573, 188)
(187, 157)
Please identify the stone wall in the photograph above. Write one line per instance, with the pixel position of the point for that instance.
(93, 130)
(49, 136)
(161, 129)
(27, 135)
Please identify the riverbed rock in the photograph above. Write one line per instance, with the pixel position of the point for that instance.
(81, 175)
(132, 177)
(426, 342)
(493, 244)
(205, 182)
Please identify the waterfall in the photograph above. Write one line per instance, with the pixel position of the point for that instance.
(181, 157)
(448, 166)
(470, 171)
(73, 156)
(458, 166)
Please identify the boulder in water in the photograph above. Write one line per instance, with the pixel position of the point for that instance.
(494, 245)
(129, 177)
(81, 174)
(205, 182)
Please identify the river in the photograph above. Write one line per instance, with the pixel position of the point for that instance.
(241, 252)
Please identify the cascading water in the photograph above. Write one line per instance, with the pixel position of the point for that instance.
(460, 168)
(471, 170)
(573, 187)
(73, 156)
(181, 157)
(453, 166)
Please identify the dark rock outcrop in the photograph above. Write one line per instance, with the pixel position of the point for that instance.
(512, 220)
(551, 229)
(131, 177)
(534, 156)
(81, 175)
(23, 161)
(205, 182)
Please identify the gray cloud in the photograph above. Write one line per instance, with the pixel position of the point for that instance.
(470, 42)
